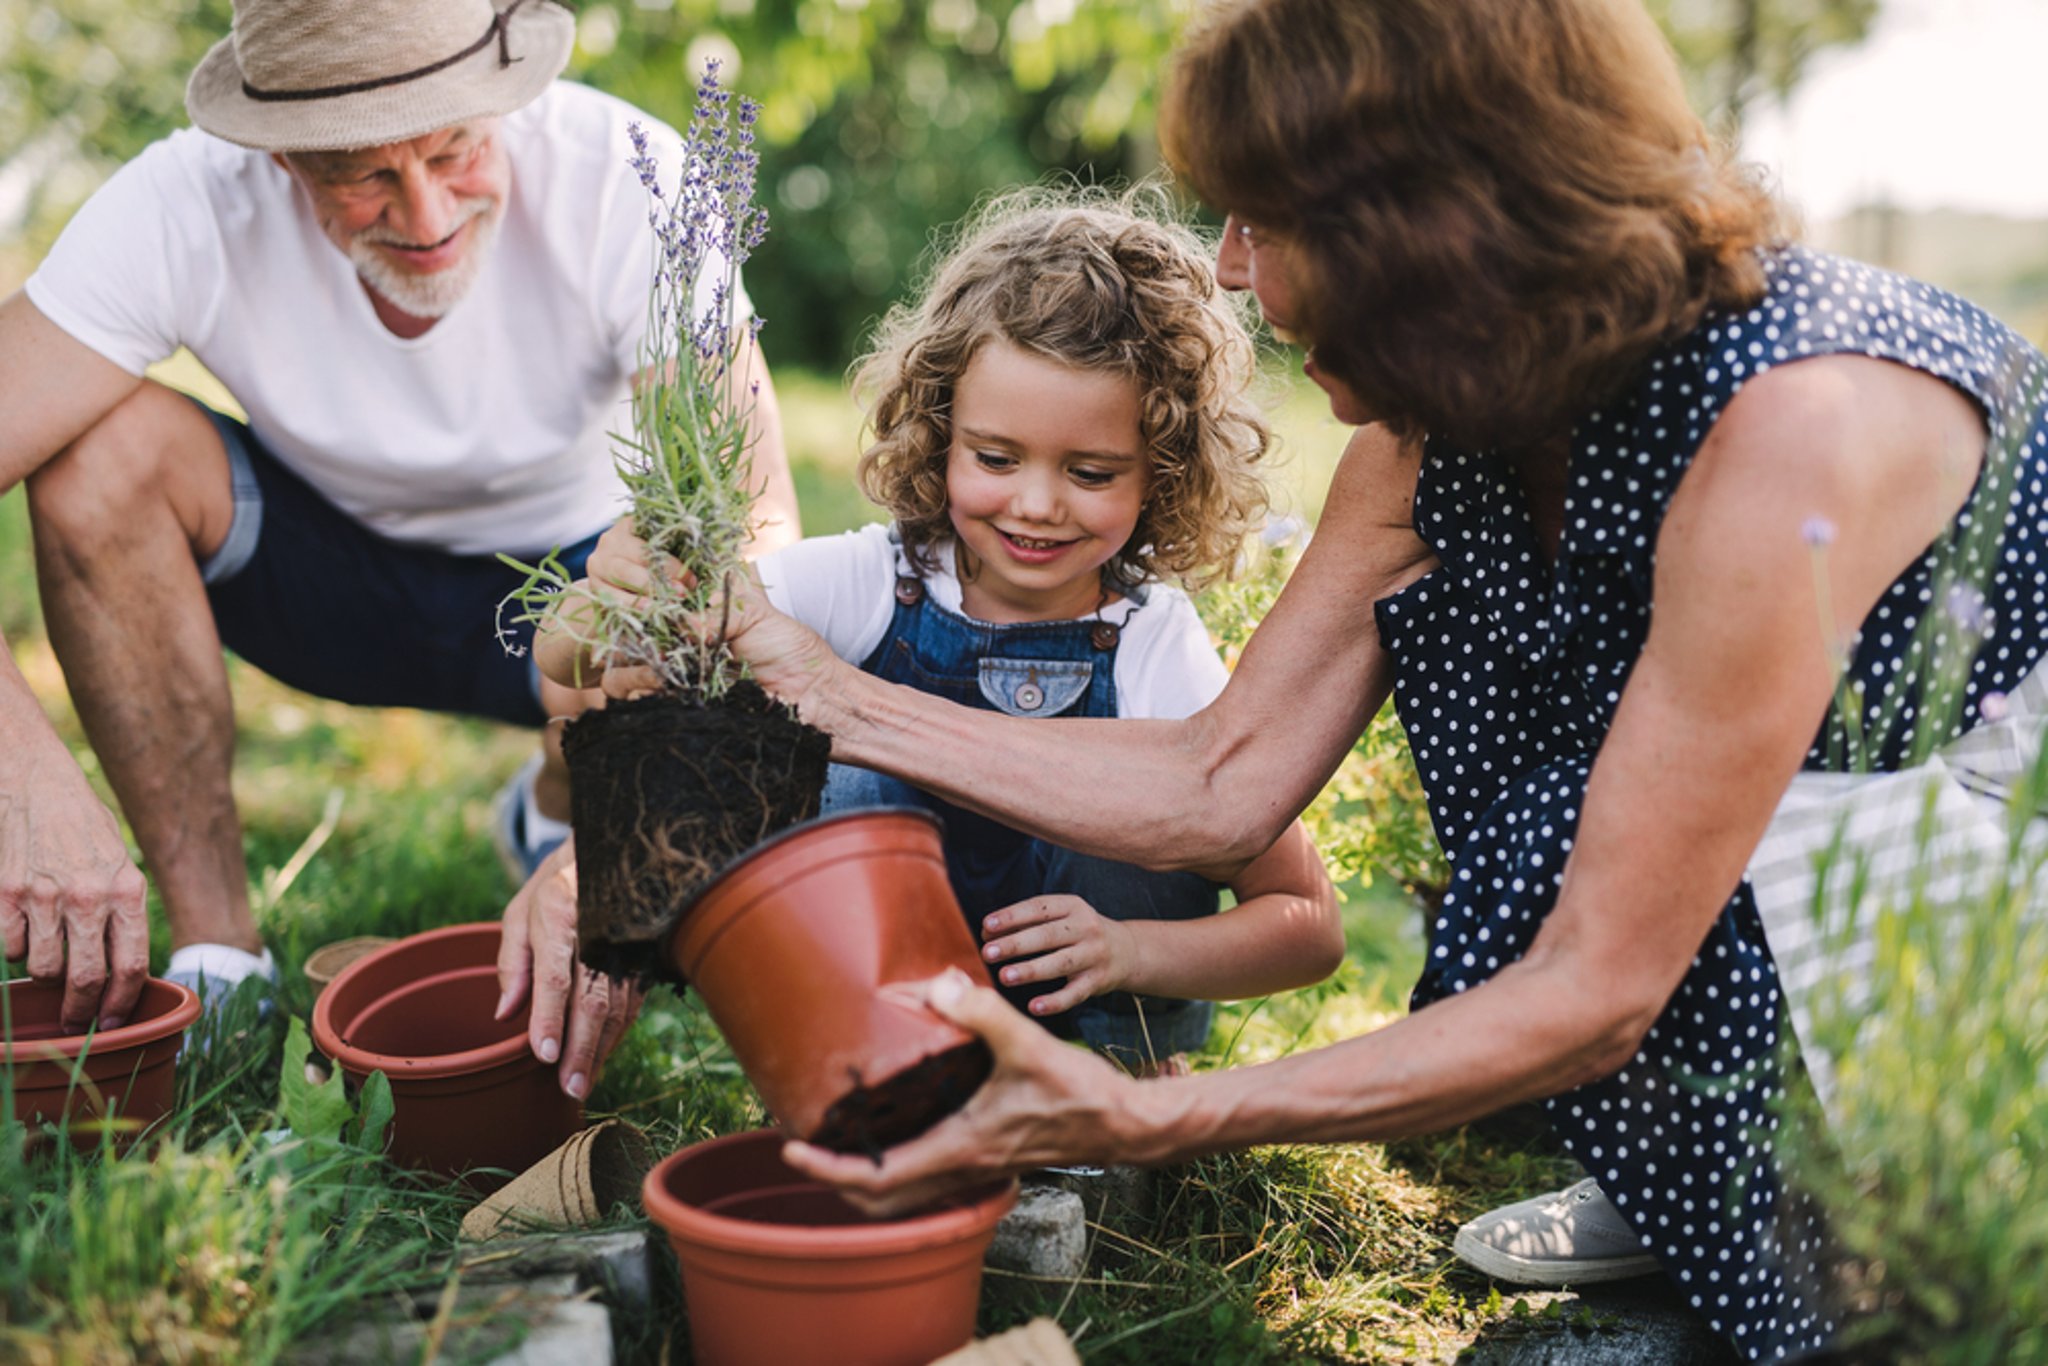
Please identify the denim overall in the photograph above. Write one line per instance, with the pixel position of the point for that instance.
(1038, 668)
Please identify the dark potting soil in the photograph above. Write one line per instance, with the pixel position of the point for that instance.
(664, 794)
(869, 1119)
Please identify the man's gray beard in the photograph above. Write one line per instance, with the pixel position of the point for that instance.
(434, 295)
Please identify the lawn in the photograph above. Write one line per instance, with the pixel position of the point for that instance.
(220, 1246)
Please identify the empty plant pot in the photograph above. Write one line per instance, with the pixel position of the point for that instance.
(779, 1271)
(128, 1075)
(795, 949)
(467, 1091)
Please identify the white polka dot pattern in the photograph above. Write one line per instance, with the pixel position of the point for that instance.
(1508, 672)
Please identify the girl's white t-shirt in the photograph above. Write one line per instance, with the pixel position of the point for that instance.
(844, 588)
(491, 431)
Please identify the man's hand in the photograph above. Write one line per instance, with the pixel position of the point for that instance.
(71, 900)
(1046, 1104)
(1058, 936)
(538, 957)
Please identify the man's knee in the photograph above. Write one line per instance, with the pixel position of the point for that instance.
(154, 452)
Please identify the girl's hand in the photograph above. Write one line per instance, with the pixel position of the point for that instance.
(1047, 1103)
(1059, 936)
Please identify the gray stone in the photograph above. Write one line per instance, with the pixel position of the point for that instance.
(522, 1302)
(486, 1322)
(1046, 1234)
(618, 1265)
(577, 1333)
(1643, 1322)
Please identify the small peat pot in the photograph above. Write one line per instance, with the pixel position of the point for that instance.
(466, 1090)
(794, 950)
(779, 1271)
(127, 1078)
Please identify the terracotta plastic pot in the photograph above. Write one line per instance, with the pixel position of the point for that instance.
(779, 1271)
(467, 1091)
(793, 949)
(128, 1078)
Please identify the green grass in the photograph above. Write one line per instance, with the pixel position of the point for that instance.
(210, 1247)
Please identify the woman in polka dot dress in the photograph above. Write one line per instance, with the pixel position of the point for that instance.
(1636, 484)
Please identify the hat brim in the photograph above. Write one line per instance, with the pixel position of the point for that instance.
(539, 37)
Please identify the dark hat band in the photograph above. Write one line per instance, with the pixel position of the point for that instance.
(497, 30)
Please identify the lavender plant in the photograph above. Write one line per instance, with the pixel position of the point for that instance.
(687, 460)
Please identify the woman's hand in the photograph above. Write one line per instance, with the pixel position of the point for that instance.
(538, 956)
(1047, 1103)
(1059, 936)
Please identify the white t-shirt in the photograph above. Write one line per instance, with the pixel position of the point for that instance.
(487, 433)
(844, 588)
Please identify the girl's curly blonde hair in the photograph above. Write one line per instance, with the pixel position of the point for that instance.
(1097, 281)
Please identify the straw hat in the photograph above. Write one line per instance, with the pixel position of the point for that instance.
(328, 75)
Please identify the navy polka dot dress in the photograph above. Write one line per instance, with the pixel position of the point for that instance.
(1508, 672)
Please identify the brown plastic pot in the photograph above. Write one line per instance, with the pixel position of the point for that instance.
(467, 1091)
(793, 948)
(778, 1270)
(128, 1078)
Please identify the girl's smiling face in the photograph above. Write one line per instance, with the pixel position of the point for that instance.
(1045, 477)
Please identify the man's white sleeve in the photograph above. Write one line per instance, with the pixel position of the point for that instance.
(137, 273)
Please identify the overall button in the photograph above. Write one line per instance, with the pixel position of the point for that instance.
(1103, 635)
(1028, 697)
(909, 591)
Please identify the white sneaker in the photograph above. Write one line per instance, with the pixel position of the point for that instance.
(1570, 1237)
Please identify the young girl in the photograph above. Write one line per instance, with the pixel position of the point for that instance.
(1061, 425)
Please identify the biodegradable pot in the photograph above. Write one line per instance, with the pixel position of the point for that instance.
(574, 1186)
(777, 1269)
(325, 963)
(664, 794)
(793, 950)
(467, 1091)
(128, 1077)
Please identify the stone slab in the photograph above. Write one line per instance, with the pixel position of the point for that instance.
(1642, 1322)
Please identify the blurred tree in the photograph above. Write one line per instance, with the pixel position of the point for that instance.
(1736, 50)
(882, 119)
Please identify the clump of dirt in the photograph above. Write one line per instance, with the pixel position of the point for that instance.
(871, 1119)
(665, 793)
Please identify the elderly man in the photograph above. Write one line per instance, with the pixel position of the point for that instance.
(421, 266)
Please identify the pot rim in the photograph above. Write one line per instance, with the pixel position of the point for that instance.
(327, 1031)
(184, 1009)
(775, 841)
(973, 1212)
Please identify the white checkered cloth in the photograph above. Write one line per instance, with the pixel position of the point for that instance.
(1941, 828)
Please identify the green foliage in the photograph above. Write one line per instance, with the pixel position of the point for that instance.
(1932, 1158)
(321, 1112)
(1371, 818)
(223, 1251)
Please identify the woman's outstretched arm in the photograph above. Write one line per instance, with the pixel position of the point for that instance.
(1211, 792)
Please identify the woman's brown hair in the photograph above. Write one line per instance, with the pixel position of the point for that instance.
(1497, 208)
(1096, 281)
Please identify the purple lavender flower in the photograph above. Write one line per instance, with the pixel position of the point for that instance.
(1966, 607)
